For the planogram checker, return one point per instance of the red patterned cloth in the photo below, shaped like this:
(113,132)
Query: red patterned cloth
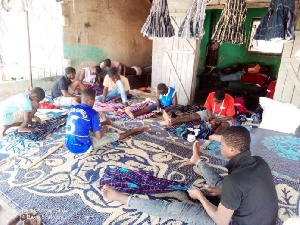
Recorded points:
(48,105)
(271,90)
(255,78)
(241,106)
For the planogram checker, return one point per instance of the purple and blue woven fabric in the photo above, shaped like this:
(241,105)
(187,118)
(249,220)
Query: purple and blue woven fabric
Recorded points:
(135,182)
(42,130)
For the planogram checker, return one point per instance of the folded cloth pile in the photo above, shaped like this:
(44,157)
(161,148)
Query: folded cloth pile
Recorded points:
(48,105)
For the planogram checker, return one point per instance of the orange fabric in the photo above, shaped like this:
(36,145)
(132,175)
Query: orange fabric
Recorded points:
(228,107)
(256,68)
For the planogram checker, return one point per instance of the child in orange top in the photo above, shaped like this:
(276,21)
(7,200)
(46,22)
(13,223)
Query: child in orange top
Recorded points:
(219,112)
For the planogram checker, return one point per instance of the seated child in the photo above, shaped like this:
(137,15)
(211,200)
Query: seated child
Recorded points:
(19,110)
(166,100)
(116,87)
(64,90)
(90,76)
(219,112)
(109,64)
(82,118)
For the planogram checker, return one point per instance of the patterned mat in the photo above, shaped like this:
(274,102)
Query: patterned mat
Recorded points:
(64,188)
(12,146)
(280,150)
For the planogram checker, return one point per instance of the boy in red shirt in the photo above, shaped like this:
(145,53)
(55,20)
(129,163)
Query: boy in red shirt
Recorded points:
(219,112)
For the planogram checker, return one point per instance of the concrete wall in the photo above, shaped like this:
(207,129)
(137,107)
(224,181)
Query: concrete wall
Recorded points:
(106,29)
(10,88)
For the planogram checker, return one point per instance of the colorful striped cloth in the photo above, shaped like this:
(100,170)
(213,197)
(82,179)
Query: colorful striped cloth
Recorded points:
(231,25)
(189,109)
(107,106)
(192,26)
(135,182)
(137,107)
(158,23)
(119,109)
(42,130)
(278,24)
(181,130)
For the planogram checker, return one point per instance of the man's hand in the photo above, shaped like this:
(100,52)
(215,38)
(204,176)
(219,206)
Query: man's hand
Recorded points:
(103,100)
(37,119)
(194,193)
(210,118)
(213,122)
(77,99)
(25,129)
(105,128)
(113,100)
(211,191)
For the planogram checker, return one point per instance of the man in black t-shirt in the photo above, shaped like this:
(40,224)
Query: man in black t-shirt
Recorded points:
(248,194)
(64,91)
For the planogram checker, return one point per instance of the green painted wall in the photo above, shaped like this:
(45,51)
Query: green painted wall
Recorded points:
(81,54)
(230,54)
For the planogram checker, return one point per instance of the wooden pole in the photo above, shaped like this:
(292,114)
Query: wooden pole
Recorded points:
(29,50)
(51,150)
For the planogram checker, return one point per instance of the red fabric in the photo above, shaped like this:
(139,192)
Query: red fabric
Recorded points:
(240,104)
(228,109)
(48,105)
(255,78)
(271,90)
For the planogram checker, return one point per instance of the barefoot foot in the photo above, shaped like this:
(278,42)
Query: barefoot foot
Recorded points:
(166,123)
(2,133)
(113,195)
(144,128)
(129,113)
(105,120)
(165,115)
(196,155)
(3,130)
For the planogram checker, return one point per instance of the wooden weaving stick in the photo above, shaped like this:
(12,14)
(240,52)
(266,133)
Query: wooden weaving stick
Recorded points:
(50,151)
